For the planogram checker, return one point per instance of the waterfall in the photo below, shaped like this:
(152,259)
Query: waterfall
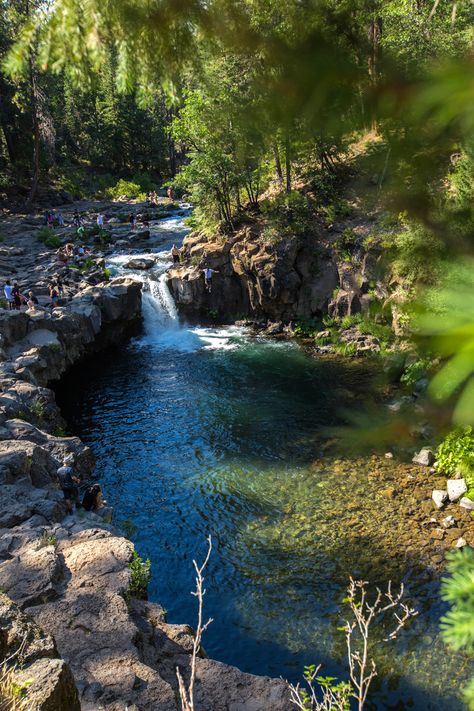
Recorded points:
(159,310)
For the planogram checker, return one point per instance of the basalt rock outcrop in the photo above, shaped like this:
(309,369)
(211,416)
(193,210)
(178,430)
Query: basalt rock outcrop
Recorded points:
(292,279)
(299,277)
(93,646)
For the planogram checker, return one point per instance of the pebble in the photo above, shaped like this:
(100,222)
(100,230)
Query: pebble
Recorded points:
(448,521)
(440,497)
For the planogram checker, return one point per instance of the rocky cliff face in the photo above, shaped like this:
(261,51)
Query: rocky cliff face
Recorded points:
(70,573)
(299,277)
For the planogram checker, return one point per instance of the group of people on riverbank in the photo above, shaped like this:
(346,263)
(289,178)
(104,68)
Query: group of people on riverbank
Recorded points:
(92,499)
(15,298)
(53,219)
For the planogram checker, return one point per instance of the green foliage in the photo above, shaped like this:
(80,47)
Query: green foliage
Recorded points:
(346,244)
(37,408)
(59,432)
(46,540)
(415,371)
(287,214)
(140,572)
(411,247)
(306,328)
(107,274)
(457,626)
(456,450)
(127,189)
(48,237)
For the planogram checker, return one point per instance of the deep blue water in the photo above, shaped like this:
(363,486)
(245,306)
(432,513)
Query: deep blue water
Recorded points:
(202,432)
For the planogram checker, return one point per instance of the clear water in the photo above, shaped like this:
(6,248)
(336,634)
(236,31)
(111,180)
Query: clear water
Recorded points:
(203,431)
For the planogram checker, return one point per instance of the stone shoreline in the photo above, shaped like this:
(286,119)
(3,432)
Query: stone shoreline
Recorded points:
(88,646)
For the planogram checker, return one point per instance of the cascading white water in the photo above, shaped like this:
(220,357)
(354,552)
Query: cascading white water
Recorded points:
(160,316)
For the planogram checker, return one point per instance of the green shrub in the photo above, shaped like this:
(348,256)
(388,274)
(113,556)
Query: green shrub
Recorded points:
(345,349)
(345,244)
(107,274)
(415,371)
(306,328)
(140,573)
(125,188)
(37,408)
(456,451)
(47,236)
(379,330)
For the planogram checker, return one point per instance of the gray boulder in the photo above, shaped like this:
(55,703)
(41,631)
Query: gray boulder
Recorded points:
(456,488)
(424,457)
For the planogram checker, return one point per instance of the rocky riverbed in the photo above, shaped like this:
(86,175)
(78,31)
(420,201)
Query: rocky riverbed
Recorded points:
(84,643)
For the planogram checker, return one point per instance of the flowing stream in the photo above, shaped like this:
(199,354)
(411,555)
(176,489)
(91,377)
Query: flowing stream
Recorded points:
(203,431)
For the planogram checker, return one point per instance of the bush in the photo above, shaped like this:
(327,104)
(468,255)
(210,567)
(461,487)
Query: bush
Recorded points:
(140,573)
(415,371)
(289,214)
(47,236)
(306,328)
(456,451)
(125,188)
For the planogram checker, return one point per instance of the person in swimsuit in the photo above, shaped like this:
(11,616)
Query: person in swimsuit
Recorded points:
(175,254)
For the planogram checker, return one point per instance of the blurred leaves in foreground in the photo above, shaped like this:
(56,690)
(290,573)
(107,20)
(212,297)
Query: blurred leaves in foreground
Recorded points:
(446,320)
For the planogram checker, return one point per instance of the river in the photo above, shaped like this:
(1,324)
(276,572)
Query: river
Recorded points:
(202,431)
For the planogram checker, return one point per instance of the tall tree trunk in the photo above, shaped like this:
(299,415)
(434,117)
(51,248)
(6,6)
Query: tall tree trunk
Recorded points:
(276,157)
(36,135)
(9,142)
(287,163)
(374,35)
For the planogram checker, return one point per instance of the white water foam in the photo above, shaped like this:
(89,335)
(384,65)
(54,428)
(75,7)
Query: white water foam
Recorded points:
(160,317)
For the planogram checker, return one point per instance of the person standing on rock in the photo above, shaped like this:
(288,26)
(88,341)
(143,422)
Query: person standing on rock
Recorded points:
(68,483)
(175,254)
(208,273)
(133,221)
(54,295)
(17,297)
(100,220)
(8,291)
(60,219)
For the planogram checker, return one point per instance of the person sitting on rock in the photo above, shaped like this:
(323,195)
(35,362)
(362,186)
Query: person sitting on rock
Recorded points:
(68,483)
(93,499)
(8,291)
(32,302)
(208,273)
(175,254)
